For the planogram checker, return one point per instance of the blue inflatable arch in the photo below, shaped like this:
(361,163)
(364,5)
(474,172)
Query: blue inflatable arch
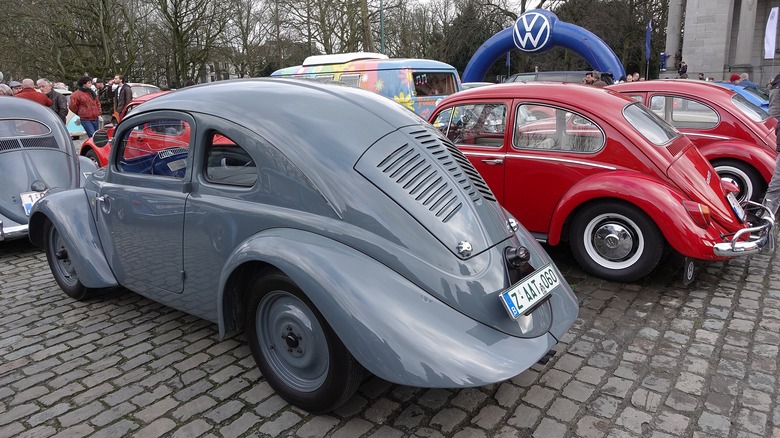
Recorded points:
(537,31)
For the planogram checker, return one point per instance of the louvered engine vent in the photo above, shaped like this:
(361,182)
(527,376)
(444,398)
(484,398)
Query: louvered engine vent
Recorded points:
(457,164)
(40,142)
(7,145)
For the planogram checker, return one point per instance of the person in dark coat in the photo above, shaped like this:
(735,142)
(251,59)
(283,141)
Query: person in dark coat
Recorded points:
(59,104)
(106,98)
(772,196)
(122,96)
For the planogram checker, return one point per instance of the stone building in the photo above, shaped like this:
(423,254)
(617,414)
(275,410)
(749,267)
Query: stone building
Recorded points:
(720,37)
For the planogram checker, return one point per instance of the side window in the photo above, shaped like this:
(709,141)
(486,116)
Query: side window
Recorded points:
(442,122)
(352,80)
(547,128)
(156,147)
(637,98)
(228,163)
(689,113)
(481,124)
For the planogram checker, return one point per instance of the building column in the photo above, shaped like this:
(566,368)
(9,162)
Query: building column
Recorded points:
(673,32)
(745,33)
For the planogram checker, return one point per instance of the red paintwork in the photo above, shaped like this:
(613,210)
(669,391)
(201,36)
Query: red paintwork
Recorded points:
(741,138)
(103,152)
(544,188)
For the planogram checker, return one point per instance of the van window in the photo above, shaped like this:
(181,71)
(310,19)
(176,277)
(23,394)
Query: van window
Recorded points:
(433,84)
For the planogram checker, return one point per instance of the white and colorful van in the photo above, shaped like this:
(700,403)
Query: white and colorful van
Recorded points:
(418,84)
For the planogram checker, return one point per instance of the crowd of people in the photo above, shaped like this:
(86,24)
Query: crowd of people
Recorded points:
(95,101)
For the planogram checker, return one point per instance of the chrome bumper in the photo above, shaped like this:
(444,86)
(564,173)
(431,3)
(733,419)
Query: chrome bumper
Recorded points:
(10,233)
(760,236)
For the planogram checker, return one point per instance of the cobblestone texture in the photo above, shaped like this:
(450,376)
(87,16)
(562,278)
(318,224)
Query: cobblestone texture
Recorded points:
(650,359)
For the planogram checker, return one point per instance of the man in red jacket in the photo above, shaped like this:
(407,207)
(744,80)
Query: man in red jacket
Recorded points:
(28,92)
(85,104)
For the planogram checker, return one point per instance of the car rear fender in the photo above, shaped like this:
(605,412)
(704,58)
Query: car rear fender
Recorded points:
(760,158)
(69,211)
(394,329)
(661,203)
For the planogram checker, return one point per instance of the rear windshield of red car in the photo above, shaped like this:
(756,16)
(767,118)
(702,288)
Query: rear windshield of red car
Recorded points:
(652,127)
(754,112)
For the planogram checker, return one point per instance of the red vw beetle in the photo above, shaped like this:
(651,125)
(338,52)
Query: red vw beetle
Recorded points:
(735,135)
(597,169)
(98,147)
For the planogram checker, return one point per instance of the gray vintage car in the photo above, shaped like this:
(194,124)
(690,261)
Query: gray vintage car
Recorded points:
(338,230)
(36,157)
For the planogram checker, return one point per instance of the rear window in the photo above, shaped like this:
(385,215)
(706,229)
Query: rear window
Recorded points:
(652,127)
(434,83)
(755,113)
(140,90)
(15,128)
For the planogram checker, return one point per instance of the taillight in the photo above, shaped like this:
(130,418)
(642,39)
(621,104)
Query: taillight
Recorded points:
(698,212)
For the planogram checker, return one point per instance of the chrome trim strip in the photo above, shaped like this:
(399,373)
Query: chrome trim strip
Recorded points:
(538,158)
(696,134)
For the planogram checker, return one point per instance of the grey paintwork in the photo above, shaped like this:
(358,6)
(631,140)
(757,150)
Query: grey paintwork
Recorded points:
(45,154)
(335,209)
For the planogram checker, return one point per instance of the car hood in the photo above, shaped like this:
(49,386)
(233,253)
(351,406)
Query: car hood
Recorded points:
(20,168)
(694,175)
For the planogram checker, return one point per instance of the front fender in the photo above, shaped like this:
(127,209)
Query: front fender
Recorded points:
(760,158)
(69,211)
(394,329)
(660,202)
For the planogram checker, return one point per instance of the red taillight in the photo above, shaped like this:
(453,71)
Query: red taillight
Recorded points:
(698,212)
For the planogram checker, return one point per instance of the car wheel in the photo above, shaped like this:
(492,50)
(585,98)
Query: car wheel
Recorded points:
(296,350)
(615,241)
(750,183)
(60,263)
(93,156)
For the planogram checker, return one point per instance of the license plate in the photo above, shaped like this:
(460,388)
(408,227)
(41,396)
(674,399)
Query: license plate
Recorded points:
(29,199)
(522,297)
(738,209)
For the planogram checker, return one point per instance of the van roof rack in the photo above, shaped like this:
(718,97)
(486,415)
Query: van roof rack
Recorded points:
(340,58)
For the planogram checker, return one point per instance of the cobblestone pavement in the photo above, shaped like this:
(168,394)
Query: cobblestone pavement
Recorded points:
(652,359)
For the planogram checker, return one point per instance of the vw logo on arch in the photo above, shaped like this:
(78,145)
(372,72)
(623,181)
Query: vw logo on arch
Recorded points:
(531,32)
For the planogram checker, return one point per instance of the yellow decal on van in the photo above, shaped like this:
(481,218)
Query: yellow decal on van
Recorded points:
(405,100)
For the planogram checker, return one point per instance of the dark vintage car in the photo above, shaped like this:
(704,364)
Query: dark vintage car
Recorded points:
(36,157)
(736,136)
(600,171)
(338,230)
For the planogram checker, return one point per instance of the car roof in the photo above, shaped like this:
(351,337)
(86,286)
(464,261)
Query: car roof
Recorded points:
(673,85)
(149,96)
(701,89)
(573,93)
(278,108)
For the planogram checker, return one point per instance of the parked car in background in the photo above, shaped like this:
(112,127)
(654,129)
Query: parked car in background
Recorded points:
(98,147)
(467,85)
(140,89)
(758,96)
(417,84)
(551,76)
(601,171)
(36,158)
(72,121)
(736,136)
(350,237)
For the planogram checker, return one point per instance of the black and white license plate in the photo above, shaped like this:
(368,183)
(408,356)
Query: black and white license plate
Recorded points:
(521,298)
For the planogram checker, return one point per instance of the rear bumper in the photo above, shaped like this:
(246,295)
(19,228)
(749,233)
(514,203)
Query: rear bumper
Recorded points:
(757,237)
(12,232)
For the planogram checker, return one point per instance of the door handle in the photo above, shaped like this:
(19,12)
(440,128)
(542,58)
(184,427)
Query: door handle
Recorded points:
(493,162)
(100,198)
